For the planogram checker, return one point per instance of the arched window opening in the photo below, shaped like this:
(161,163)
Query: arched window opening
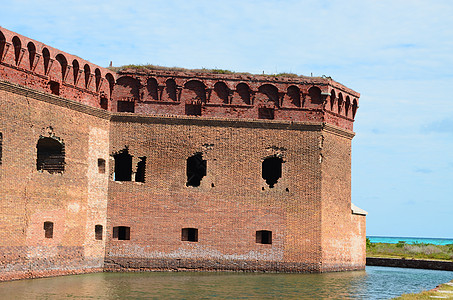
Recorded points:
(123,166)
(332,100)
(340,103)
(196,169)
(98,232)
(170,90)
(126,89)
(2,45)
(151,87)
(293,94)
(195,92)
(17,48)
(75,70)
(354,108)
(264,237)
(243,92)
(97,76)
(48,230)
(267,95)
(221,93)
(111,82)
(50,155)
(63,64)
(272,170)
(189,234)
(31,54)
(315,95)
(87,72)
(347,105)
(46,59)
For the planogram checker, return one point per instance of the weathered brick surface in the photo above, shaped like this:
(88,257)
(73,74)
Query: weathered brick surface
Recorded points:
(239,121)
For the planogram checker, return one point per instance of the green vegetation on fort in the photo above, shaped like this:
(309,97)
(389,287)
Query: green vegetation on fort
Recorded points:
(202,70)
(409,251)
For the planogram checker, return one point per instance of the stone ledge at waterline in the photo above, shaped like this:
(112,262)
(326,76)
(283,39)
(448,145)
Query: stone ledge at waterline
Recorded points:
(410,263)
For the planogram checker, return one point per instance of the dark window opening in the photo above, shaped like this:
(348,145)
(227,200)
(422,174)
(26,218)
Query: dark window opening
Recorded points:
(122,233)
(104,102)
(189,234)
(101,165)
(48,230)
(193,109)
(97,76)
(17,49)
(266,113)
(54,87)
(63,64)
(123,166)
(196,169)
(31,54)
(46,59)
(2,45)
(272,170)
(98,232)
(264,237)
(126,106)
(51,155)
(141,165)
(87,72)
(170,87)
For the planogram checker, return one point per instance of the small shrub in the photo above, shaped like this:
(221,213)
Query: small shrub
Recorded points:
(400,244)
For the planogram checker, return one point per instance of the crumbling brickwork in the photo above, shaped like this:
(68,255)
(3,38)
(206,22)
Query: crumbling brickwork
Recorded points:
(171,170)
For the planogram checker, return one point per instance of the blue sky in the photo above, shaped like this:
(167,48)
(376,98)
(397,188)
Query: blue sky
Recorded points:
(397,54)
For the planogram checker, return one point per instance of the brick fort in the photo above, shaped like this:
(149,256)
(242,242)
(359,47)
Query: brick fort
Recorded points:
(171,169)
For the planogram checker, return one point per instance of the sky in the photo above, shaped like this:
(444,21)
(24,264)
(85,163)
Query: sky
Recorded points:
(397,53)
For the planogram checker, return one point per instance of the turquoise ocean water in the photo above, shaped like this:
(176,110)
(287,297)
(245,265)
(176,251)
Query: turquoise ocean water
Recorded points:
(410,240)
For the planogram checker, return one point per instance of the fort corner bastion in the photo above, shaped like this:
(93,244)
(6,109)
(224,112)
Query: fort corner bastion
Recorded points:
(147,169)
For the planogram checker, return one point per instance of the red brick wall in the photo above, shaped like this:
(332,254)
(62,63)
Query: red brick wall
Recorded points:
(74,201)
(343,234)
(231,204)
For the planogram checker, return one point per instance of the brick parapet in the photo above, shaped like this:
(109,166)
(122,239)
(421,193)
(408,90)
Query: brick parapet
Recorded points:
(38,66)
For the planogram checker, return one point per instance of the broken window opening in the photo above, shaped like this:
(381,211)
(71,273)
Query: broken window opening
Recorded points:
(123,166)
(189,234)
(196,169)
(122,233)
(54,87)
(193,109)
(101,165)
(50,155)
(48,230)
(98,232)
(266,113)
(141,165)
(126,106)
(272,170)
(264,237)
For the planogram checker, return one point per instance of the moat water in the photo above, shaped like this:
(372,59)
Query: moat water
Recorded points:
(374,283)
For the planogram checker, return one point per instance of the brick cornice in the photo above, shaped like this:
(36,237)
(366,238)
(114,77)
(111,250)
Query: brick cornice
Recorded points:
(53,99)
